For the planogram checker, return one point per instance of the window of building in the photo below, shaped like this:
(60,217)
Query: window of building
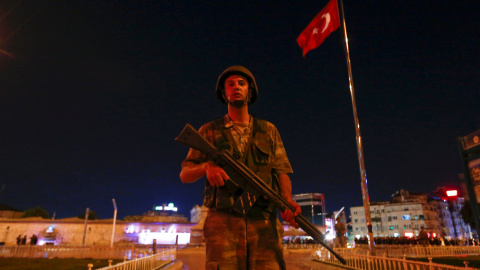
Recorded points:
(376,219)
(406,217)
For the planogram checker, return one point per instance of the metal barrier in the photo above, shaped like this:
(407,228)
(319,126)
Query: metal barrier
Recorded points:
(436,251)
(161,259)
(68,252)
(398,251)
(365,262)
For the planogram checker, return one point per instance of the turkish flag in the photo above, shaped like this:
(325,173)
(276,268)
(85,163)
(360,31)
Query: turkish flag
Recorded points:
(327,21)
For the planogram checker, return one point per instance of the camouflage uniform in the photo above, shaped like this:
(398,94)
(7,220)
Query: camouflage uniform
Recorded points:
(340,241)
(254,241)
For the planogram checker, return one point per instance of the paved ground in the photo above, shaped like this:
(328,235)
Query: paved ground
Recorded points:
(194,259)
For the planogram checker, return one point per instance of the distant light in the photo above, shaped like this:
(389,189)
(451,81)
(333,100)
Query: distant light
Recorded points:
(409,234)
(329,236)
(169,207)
(452,193)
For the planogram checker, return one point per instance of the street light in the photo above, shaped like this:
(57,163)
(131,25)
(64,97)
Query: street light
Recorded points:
(114,219)
(85,229)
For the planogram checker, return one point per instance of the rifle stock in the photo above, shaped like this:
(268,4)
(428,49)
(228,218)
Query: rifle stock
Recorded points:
(248,180)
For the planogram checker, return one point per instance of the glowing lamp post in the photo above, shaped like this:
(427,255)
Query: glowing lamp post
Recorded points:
(85,228)
(114,219)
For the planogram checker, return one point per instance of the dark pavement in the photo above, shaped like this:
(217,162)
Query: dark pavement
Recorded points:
(193,258)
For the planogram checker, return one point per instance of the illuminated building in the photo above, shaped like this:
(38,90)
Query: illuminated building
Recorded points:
(161,224)
(455,203)
(313,206)
(405,215)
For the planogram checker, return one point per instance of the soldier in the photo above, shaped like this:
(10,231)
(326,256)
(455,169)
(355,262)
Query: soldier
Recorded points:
(33,240)
(423,236)
(340,230)
(234,241)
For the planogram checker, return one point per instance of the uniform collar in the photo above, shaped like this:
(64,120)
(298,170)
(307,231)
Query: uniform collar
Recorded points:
(229,123)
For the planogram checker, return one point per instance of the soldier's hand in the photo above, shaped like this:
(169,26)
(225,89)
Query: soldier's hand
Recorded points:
(289,216)
(215,174)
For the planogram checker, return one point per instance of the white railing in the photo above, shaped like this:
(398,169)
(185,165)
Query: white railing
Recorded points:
(398,251)
(163,258)
(433,251)
(77,252)
(365,262)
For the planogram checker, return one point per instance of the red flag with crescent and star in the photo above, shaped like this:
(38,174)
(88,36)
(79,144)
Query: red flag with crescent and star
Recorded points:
(327,21)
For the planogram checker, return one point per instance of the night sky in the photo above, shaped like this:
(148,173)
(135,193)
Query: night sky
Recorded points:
(96,92)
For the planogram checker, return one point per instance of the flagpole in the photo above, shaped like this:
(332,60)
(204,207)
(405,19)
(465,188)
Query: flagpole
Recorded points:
(363,174)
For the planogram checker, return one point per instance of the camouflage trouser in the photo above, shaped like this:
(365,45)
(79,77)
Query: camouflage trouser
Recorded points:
(233,242)
(340,241)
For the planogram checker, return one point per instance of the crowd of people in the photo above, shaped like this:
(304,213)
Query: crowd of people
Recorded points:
(417,241)
(23,240)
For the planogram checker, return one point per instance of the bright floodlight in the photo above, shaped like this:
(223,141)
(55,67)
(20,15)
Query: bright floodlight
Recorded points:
(451,193)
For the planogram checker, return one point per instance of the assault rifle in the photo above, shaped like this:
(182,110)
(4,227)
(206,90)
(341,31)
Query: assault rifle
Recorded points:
(243,179)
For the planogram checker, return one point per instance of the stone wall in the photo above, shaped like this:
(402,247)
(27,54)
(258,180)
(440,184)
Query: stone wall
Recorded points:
(72,231)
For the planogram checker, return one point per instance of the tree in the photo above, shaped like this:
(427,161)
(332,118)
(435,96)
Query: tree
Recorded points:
(467,215)
(36,212)
(92,215)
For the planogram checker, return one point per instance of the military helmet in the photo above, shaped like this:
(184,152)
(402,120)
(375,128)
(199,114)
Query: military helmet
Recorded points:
(236,70)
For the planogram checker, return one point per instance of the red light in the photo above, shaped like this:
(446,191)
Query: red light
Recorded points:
(451,193)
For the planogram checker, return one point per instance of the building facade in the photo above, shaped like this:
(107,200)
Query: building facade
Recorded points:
(406,214)
(313,206)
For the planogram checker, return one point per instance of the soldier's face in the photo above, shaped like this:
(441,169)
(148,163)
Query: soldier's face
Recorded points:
(236,89)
